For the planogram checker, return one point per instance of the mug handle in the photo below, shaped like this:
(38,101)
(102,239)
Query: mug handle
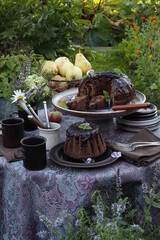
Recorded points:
(16,154)
(13,113)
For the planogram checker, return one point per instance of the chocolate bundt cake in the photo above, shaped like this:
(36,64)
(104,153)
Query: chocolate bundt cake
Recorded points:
(84,140)
(119,87)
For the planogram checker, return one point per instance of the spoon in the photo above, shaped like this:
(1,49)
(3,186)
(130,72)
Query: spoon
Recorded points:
(46,114)
(35,121)
(23,105)
(34,114)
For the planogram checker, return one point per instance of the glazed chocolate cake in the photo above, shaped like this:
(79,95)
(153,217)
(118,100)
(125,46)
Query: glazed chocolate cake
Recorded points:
(119,88)
(79,104)
(82,143)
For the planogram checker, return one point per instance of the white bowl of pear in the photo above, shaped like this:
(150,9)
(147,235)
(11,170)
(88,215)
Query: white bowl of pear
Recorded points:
(62,74)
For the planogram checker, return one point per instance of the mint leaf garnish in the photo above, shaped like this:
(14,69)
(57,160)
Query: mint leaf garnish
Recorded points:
(85,126)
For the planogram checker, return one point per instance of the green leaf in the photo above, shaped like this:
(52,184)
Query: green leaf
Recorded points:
(10,65)
(154,86)
(63,105)
(117,70)
(148,200)
(2,62)
(107,97)
(84,126)
(156,205)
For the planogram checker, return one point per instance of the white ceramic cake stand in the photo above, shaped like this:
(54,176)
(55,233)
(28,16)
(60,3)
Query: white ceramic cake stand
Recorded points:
(60,99)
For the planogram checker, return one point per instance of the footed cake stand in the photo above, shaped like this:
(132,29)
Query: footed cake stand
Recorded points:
(59,102)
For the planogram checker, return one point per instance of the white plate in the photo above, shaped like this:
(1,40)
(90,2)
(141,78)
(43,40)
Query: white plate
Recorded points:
(60,98)
(137,129)
(140,116)
(143,111)
(139,123)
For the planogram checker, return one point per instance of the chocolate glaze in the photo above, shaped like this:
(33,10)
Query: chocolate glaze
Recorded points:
(75,131)
(113,83)
(81,144)
(119,87)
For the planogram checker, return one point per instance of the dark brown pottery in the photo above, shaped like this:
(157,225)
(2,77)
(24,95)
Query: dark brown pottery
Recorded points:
(12,132)
(28,125)
(33,153)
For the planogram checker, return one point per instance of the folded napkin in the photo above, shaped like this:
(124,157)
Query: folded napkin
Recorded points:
(8,153)
(143,155)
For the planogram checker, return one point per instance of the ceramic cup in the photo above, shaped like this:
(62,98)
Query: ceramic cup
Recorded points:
(12,132)
(33,152)
(28,125)
(52,135)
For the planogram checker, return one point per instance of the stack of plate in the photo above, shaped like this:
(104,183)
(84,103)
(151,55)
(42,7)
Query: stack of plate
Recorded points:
(142,118)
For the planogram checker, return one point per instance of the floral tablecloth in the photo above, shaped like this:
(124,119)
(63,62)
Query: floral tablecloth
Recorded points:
(59,188)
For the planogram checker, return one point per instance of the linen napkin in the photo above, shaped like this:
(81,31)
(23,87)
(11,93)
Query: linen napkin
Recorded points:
(8,153)
(143,155)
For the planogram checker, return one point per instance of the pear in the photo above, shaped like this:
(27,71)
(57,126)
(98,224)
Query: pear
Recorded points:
(59,60)
(62,86)
(49,69)
(63,64)
(82,63)
(74,73)
(53,84)
(58,77)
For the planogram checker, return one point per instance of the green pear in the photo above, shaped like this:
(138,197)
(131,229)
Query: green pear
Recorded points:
(62,86)
(49,69)
(58,77)
(63,64)
(53,84)
(74,73)
(82,63)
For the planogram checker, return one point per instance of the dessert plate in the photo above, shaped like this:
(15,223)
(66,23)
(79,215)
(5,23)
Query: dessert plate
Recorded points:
(151,127)
(140,117)
(139,123)
(60,99)
(147,111)
(57,155)
(144,113)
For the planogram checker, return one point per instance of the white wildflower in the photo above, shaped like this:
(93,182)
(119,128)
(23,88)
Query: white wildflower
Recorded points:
(18,94)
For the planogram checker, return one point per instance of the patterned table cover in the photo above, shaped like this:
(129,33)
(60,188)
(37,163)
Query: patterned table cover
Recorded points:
(58,188)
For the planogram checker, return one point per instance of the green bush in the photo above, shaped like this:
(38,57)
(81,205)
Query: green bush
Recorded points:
(146,45)
(46,29)
(138,56)
(10,67)
(117,220)
(50,29)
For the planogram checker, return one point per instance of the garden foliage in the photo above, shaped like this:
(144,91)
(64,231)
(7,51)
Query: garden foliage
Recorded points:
(46,29)
(10,67)
(50,27)
(116,221)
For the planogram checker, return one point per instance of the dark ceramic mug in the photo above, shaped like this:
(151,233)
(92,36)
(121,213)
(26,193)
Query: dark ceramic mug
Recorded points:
(33,152)
(28,125)
(12,132)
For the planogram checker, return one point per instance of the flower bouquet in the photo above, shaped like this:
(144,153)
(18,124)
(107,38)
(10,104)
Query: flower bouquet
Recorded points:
(30,90)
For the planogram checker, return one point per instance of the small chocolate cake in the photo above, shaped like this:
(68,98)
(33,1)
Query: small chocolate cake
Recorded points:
(84,140)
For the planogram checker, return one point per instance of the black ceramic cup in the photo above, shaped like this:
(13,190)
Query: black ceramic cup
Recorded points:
(12,132)
(28,125)
(33,152)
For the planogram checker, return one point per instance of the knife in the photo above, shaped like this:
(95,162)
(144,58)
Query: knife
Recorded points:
(131,106)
